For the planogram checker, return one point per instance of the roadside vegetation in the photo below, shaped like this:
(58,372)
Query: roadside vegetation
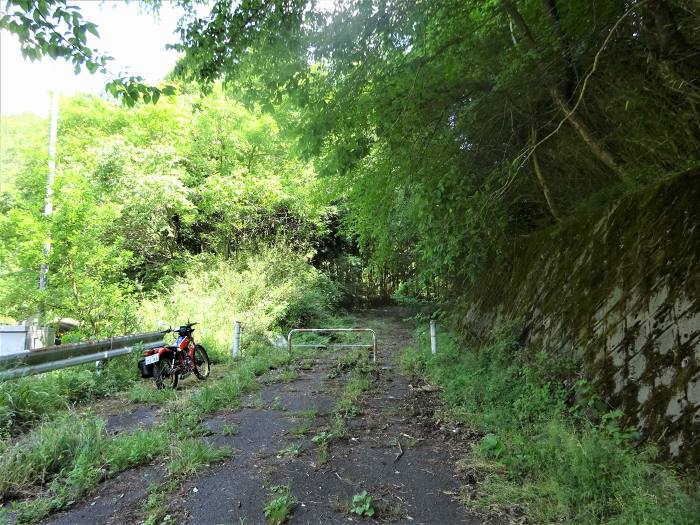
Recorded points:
(316,159)
(358,369)
(154,225)
(64,458)
(279,508)
(549,447)
(268,292)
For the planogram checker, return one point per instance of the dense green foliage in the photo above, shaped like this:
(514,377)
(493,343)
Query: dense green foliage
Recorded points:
(194,209)
(138,195)
(386,145)
(444,130)
(269,292)
(452,127)
(69,454)
(542,449)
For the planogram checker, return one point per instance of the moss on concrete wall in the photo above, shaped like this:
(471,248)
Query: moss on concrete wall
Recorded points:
(622,293)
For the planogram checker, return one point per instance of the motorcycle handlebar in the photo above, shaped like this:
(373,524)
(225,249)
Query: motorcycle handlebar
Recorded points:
(176,330)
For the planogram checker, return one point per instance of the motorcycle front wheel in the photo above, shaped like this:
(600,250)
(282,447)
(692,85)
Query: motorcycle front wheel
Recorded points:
(201,362)
(163,374)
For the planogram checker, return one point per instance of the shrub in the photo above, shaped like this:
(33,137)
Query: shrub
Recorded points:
(539,454)
(27,400)
(268,292)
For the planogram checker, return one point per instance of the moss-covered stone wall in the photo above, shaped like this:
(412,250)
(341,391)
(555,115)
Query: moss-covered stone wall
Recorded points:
(621,292)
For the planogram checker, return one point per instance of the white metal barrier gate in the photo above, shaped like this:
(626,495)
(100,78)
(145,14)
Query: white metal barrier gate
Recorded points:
(373,345)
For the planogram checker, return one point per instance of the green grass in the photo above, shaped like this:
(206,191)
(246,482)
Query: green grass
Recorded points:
(279,508)
(24,402)
(359,368)
(309,413)
(190,455)
(145,392)
(293,451)
(301,429)
(359,381)
(187,457)
(285,375)
(356,386)
(67,456)
(229,429)
(128,450)
(155,506)
(49,450)
(542,455)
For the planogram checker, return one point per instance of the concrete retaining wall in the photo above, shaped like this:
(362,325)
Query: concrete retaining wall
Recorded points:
(622,293)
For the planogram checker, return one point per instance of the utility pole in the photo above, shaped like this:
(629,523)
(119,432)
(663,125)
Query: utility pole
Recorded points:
(48,205)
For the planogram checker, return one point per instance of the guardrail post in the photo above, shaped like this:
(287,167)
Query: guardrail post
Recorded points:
(99,365)
(236,338)
(433,337)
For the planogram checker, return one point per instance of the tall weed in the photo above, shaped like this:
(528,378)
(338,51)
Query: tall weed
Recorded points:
(27,400)
(268,292)
(540,455)
(69,455)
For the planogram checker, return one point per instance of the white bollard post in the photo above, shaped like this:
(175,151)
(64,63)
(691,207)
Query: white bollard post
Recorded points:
(433,338)
(236,338)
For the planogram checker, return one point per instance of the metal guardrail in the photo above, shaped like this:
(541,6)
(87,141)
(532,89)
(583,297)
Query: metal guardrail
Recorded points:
(57,357)
(373,346)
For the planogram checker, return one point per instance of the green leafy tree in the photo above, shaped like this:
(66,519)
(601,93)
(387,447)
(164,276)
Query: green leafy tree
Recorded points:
(55,29)
(138,194)
(452,127)
(446,129)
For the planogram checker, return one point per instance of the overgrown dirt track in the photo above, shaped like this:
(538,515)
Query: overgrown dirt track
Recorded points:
(392,447)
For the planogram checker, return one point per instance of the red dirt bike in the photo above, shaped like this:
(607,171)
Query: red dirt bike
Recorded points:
(168,364)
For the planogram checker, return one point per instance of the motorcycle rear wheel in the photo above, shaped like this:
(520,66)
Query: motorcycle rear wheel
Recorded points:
(162,373)
(201,363)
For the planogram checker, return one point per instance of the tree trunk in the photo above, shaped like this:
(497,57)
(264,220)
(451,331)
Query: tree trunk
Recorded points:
(570,76)
(598,149)
(594,145)
(553,209)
